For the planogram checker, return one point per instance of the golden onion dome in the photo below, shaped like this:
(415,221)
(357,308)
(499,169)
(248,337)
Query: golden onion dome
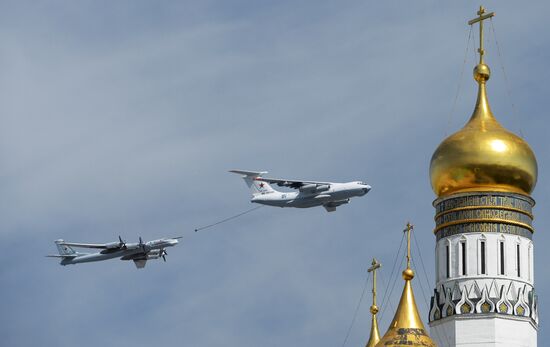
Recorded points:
(483,156)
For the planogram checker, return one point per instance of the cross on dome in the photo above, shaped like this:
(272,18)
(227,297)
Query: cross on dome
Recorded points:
(480,19)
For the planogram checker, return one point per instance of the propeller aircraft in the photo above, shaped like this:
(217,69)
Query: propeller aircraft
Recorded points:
(138,252)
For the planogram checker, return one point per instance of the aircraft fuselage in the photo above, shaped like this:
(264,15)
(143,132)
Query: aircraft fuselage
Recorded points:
(336,192)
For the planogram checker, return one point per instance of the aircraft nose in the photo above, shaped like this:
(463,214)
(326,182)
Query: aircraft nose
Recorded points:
(367,189)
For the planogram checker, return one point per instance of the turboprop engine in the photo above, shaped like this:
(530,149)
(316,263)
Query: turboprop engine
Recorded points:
(112,245)
(314,188)
(155,254)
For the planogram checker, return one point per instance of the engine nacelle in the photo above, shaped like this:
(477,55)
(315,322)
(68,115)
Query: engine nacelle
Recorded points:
(313,188)
(154,254)
(322,187)
(112,245)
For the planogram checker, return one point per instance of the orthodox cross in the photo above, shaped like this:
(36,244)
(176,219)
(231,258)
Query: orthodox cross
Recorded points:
(408,230)
(480,19)
(375,265)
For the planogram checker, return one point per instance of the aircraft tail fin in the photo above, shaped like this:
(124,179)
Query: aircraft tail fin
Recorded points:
(63,249)
(255,185)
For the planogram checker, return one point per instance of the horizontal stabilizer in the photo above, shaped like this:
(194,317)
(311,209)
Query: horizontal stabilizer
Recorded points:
(249,173)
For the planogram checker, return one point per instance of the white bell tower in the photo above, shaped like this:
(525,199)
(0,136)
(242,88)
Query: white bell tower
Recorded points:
(483,175)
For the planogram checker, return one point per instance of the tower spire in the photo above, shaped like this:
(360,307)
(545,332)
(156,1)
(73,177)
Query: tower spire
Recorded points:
(406,328)
(482,73)
(374,332)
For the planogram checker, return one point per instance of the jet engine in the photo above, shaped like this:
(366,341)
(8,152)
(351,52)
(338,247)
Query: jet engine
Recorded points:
(314,188)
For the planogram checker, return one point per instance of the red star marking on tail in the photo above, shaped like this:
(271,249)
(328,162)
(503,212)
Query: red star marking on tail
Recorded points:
(262,185)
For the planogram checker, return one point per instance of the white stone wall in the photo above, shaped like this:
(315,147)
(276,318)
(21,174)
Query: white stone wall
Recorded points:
(473,255)
(475,328)
(484,331)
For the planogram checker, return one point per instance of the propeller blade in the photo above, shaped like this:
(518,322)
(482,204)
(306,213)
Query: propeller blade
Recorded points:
(164,258)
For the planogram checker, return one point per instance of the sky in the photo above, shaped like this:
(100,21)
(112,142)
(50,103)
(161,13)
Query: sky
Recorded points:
(123,118)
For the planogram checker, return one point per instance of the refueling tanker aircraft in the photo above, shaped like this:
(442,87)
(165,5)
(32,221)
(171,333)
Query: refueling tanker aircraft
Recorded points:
(138,252)
(310,193)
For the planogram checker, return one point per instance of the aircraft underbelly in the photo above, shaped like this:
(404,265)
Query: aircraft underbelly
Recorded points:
(311,201)
(306,201)
(277,203)
(341,195)
(97,257)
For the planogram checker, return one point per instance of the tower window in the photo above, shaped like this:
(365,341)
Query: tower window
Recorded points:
(482,256)
(447,261)
(463,254)
(501,245)
(518,260)
(529,259)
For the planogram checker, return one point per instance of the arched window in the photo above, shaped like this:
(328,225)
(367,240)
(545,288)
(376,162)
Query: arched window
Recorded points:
(462,257)
(501,256)
(529,261)
(518,257)
(482,249)
(448,259)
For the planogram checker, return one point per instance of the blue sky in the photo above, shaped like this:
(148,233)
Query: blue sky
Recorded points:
(123,119)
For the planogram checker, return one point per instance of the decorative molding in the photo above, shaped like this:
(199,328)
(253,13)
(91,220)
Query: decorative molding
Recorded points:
(506,298)
(485,305)
(521,308)
(504,306)
(464,305)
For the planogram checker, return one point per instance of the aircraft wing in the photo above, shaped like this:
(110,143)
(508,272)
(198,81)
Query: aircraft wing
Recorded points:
(112,245)
(86,245)
(291,183)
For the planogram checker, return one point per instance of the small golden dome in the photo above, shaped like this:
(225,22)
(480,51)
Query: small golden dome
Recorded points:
(406,328)
(483,156)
